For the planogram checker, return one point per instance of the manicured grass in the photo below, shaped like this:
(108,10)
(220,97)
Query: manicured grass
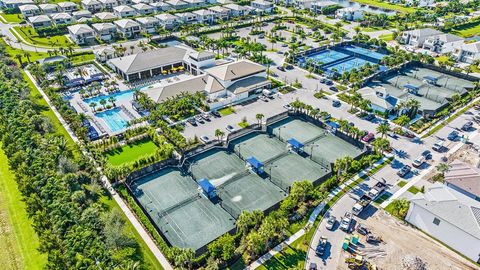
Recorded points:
(82,58)
(144,252)
(389,209)
(31,36)
(226,111)
(413,190)
(12,18)
(291,257)
(34,56)
(383,198)
(130,152)
(386,37)
(401,183)
(467,30)
(18,241)
(387,5)
(243,124)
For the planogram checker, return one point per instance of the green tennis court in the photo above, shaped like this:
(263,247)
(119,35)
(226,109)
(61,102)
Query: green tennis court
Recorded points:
(331,148)
(302,131)
(216,165)
(260,146)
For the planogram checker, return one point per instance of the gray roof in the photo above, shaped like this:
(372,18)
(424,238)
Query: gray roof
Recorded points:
(424,32)
(451,206)
(235,70)
(369,93)
(103,26)
(66,4)
(472,47)
(248,84)
(166,16)
(40,18)
(464,176)
(125,23)
(61,15)
(147,20)
(218,9)
(105,16)
(28,7)
(192,85)
(48,6)
(447,37)
(142,6)
(79,29)
(149,60)
(124,9)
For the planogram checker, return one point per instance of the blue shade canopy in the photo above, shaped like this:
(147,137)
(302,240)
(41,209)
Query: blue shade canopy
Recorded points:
(411,87)
(431,78)
(294,143)
(333,124)
(206,185)
(256,164)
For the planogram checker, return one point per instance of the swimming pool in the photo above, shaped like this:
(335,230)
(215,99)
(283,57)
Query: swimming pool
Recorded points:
(327,56)
(124,96)
(115,119)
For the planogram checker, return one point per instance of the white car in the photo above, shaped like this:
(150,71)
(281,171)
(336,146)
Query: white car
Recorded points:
(230,128)
(204,139)
(330,223)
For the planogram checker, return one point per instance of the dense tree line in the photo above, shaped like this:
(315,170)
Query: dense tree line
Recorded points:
(59,188)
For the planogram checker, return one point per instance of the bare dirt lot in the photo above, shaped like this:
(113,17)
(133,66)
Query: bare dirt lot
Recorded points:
(402,243)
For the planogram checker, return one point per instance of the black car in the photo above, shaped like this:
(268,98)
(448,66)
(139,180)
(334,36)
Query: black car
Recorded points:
(192,121)
(467,126)
(281,68)
(333,88)
(369,117)
(289,67)
(322,244)
(404,171)
(323,80)
(215,113)
(336,103)
(328,82)
(427,154)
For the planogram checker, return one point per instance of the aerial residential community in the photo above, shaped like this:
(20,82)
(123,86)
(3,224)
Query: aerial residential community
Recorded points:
(240,134)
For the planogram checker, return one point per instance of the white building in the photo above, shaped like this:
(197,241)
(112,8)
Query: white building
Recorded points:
(349,14)
(195,3)
(205,16)
(40,21)
(105,16)
(304,4)
(104,31)
(168,21)
(448,216)
(417,37)
(62,18)
(319,6)
(220,12)
(81,33)
(420,3)
(78,15)
(128,28)
(13,4)
(143,9)
(68,7)
(443,43)
(49,8)
(149,24)
(29,10)
(236,10)
(464,178)
(92,5)
(187,17)
(262,6)
(161,6)
(108,5)
(177,4)
(467,53)
(124,11)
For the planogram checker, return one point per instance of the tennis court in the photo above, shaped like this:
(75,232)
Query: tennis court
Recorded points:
(326,56)
(363,51)
(348,65)
(260,146)
(216,165)
(302,131)
(195,224)
(331,148)
(249,193)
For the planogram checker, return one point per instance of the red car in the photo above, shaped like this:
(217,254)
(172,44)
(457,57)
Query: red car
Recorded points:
(369,137)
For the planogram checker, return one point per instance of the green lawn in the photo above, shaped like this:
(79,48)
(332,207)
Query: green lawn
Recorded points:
(12,18)
(226,111)
(291,257)
(18,241)
(413,190)
(130,152)
(386,5)
(31,36)
(401,183)
(386,37)
(467,30)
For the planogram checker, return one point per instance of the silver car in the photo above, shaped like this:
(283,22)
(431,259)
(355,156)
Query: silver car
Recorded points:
(330,223)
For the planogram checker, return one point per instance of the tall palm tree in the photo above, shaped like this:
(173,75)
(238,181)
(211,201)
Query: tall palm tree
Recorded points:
(112,100)
(259,117)
(93,105)
(383,129)
(219,134)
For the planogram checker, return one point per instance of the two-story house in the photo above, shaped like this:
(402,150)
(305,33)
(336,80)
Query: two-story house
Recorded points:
(93,6)
(205,16)
(124,11)
(349,14)
(48,9)
(40,21)
(417,37)
(108,5)
(262,6)
(220,12)
(143,9)
(468,52)
(104,31)
(443,43)
(128,28)
(62,18)
(105,16)
(167,20)
(29,10)
(177,4)
(161,7)
(81,33)
(67,7)
(149,24)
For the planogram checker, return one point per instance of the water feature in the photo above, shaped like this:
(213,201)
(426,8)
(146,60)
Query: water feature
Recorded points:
(367,8)
(115,119)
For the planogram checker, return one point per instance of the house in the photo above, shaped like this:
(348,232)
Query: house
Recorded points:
(143,9)
(81,33)
(449,216)
(303,4)
(468,52)
(161,6)
(81,14)
(168,21)
(177,4)
(62,18)
(220,12)
(49,8)
(262,6)
(14,4)
(105,16)
(205,16)
(124,11)
(195,3)
(187,17)
(443,43)
(124,2)
(380,99)
(420,3)
(463,178)
(108,5)
(349,14)
(149,24)
(104,31)
(67,7)
(93,6)
(29,10)
(40,21)
(128,28)
(417,37)
(104,53)
(319,6)
(236,10)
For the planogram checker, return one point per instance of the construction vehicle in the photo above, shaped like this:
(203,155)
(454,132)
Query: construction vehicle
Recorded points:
(374,239)
(357,262)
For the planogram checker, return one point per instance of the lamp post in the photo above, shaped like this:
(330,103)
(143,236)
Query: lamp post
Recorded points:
(311,149)
(279,132)
(270,171)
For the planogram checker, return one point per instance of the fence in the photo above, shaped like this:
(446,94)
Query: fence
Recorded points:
(276,118)
(150,169)
(242,132)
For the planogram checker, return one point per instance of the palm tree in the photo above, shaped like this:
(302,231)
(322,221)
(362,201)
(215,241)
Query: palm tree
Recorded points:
(112,100)
(403,120)
(400,207)
(93,105)
(343,125)
(103,102)
(413,105)
(383,129)
(19,58)
(259,117)
(219,134)
(381,145)
(442,168)
(27,55)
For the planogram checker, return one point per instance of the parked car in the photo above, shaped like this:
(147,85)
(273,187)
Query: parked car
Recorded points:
(369,117)
(204,139)
(409,135)
(287,106)
(322,244)
(281,68)
(284,45)
(330,223)
(404,171)
(369,137)
(346,222)
(418,161)
(192,121)
(199,119)
(216,113)
(312,266)
(427,154)
(452,136)
(289,67)
(333,88)
(336,103)
(362,229)
(323,80)
(467,126)
(329,82)
(230,128)
(438,146)
(206,116)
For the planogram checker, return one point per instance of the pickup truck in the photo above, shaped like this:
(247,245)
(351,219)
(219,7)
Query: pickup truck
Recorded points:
(371,195)
(376,190)
(346,222)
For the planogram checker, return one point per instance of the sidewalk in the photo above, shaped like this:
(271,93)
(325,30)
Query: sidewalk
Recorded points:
(131,217)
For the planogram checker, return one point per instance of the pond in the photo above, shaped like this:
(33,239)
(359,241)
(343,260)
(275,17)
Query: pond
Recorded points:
(367,8)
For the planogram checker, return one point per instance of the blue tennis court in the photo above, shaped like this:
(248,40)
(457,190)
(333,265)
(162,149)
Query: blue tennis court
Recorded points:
(349,65)
(363,51)
(327,56)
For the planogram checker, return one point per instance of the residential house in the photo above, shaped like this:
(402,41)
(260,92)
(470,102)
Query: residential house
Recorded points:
(105,16)
(187,17)
(220,12)
(149,24)
(67,7)
(468,52)
(205,16)
(128,28)
(167,20)
(104,53)
(81,33)
(443,43)
(223,2)
(161,6)
(124,2)
(319,6)
(14,4)
(142,1)
(62,18)
(29,10)
(303,4)
(108,5)
(420,3)
(40,21)
(380,99)
(262,6)
(463,178)
(236,10)
(143,9)
(417,37)
(349,14)
(177,4)
(124,11)
(93,6)
(105,31)
(78,15)
(449,216)
(48,9)
(195,3)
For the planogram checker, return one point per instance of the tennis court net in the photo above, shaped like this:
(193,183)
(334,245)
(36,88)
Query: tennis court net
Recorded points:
(179,205)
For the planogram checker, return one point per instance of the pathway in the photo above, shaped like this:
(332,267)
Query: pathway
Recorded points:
(128,213)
